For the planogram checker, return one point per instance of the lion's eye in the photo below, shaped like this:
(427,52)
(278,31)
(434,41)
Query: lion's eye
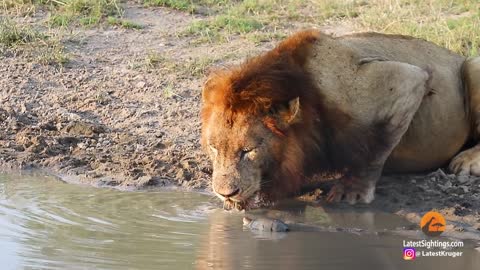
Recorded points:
(244,152)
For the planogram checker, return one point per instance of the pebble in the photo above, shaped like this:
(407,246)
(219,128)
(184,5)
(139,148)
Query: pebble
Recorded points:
(265,224)
(462,179)
(140,85)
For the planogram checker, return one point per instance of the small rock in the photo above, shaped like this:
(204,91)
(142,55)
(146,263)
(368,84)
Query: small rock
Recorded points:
(462,179)
(83,128)
(180,175)
(446,186)
(265,224)
(144,180)
(139,147)
(441,173)
(188,164)
(140,85)
(158,145)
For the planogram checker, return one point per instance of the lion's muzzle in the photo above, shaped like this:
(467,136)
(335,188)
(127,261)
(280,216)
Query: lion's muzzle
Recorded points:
(229,192)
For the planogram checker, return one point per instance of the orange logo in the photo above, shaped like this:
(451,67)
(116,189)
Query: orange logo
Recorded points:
(432,224)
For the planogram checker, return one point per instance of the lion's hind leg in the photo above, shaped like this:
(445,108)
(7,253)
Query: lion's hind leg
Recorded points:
(468,161)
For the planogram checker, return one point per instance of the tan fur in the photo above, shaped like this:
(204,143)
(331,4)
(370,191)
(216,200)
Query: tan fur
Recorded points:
(355,105)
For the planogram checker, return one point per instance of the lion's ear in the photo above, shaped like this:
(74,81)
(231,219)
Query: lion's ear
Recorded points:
(288,114)
(214,88)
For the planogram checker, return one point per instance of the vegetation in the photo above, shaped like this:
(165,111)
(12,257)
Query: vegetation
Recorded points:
(11,34)
(66,12)
(191,6)
(452,24)
(83,12)
(123,23)
(42,48)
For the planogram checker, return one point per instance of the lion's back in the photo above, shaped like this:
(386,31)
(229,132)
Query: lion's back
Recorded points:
(405,49)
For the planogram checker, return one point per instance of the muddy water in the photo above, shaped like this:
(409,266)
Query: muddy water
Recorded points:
(48,224)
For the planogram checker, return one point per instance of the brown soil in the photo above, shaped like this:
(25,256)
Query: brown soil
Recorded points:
(112,118)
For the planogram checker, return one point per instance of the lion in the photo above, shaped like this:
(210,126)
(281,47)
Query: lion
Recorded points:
(352,107)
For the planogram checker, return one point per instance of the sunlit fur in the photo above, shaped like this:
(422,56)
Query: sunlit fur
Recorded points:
(246,104)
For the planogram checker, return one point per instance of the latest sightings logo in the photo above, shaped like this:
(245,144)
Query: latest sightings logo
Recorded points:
(432,224)
(409,254)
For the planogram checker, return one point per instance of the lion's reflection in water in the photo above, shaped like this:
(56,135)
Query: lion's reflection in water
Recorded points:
(227,245)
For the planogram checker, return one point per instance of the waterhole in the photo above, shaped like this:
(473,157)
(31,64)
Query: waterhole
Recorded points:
(48,224)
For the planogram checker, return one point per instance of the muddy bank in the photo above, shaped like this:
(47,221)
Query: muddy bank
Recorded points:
(124,113)
(108,117)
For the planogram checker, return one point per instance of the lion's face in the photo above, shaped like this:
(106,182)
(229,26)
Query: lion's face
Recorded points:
(241,152)
(252,124)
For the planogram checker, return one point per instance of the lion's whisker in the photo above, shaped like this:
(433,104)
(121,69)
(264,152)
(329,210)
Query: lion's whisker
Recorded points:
(265,182)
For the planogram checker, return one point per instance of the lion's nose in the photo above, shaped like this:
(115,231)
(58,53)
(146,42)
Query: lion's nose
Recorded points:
(227,193)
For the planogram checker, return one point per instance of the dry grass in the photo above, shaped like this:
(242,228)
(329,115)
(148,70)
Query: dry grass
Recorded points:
(452,24)
(123,23)
(24,39)
(63,13)
(196,67)
(11,34)
(84,12)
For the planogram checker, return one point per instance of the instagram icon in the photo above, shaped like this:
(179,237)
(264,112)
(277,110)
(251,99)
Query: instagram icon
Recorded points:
(409,254)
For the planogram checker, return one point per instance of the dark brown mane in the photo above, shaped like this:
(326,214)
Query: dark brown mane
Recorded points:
(272,78)
(322,141)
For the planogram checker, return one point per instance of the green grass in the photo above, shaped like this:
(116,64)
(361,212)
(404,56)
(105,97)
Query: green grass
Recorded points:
(84,12)
(11,34)
(154,59)
(185,68)
(63,13)
(123,23)
(216,28)
(185,5)
(239,18)
(198,67)
(23,7)
(453,24)
(51,53)
(192,6)
(39,47)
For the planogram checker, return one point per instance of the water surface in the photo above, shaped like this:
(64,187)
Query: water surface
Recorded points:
(49,224)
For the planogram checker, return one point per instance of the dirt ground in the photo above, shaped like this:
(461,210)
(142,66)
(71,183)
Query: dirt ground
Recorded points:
(124,112)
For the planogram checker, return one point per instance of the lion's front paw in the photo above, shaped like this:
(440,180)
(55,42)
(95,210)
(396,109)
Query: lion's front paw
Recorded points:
(467,162)
(352,195)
